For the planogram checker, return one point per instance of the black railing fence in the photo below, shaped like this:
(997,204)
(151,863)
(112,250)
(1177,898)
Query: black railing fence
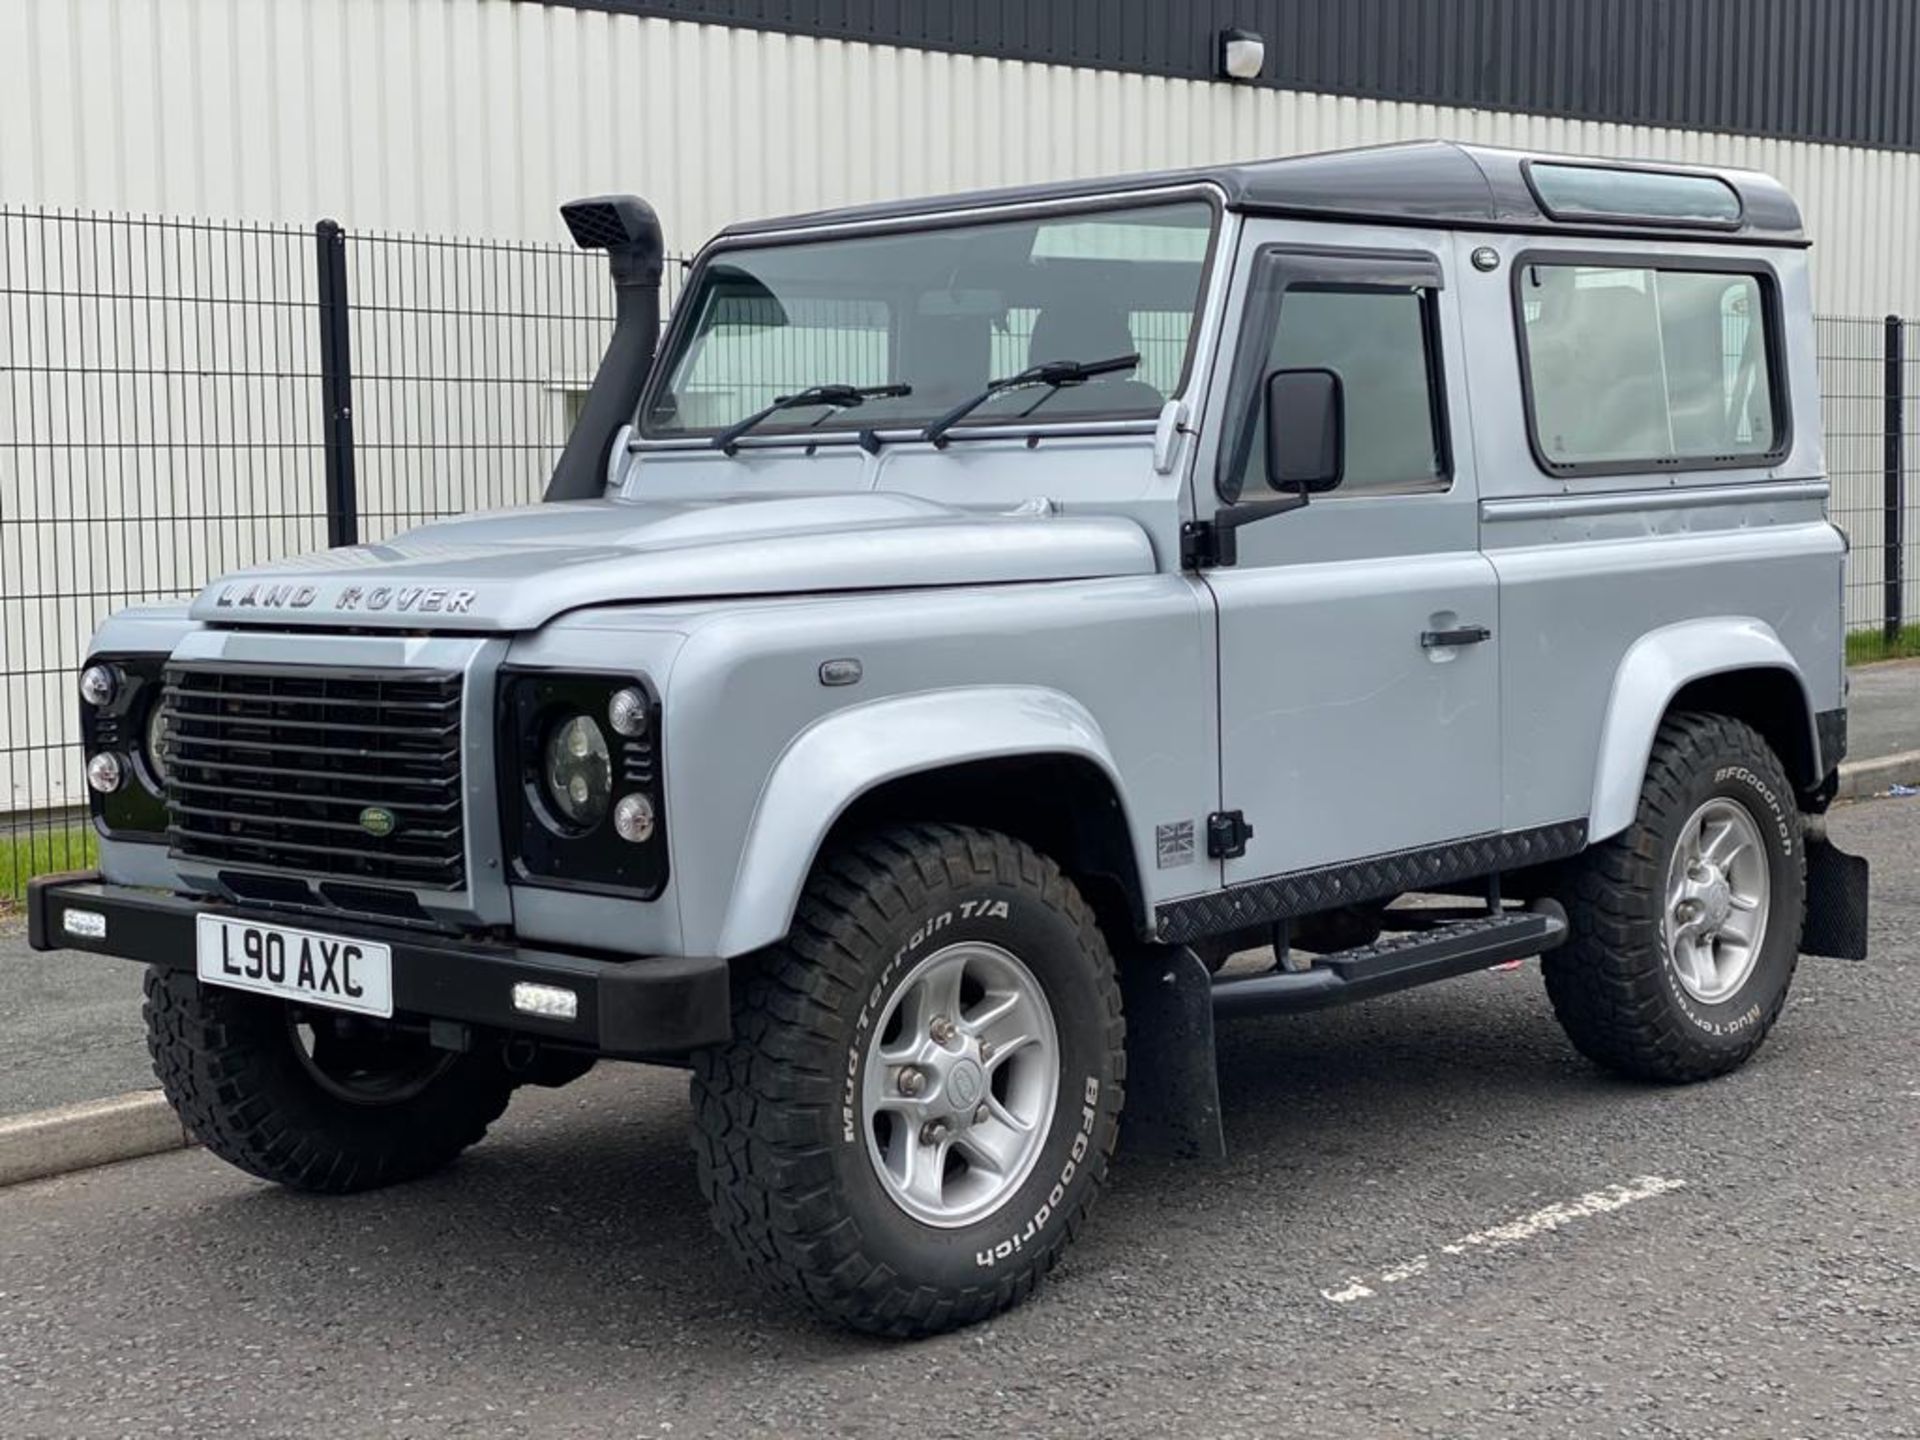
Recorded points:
(1870,401)
(180,398)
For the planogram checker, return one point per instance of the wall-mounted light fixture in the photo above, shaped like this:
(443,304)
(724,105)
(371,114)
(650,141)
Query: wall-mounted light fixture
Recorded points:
(1243,54)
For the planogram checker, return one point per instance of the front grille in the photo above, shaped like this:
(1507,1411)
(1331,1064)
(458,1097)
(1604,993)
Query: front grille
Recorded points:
(286,768)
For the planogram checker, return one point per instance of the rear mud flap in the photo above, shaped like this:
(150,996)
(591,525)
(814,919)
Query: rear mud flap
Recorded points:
(1173,1092)
(1836,923)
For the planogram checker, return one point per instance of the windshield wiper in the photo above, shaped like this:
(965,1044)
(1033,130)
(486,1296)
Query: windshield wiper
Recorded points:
(1054,374)
(835,397)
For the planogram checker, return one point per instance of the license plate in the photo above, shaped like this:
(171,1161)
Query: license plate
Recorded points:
(328,970)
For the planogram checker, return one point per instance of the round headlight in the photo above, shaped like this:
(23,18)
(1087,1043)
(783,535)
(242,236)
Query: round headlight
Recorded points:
(627,713)
(159,745)
(579,772)
(99,684)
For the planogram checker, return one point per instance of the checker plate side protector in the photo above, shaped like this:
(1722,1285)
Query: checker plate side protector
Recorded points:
(1305,891)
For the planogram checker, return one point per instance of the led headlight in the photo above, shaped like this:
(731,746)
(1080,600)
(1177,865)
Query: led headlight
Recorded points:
(126,744)
(579,772)
(583,800)
(159,742)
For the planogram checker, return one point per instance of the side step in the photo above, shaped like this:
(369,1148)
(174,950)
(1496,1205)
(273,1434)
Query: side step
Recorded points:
(1395,962)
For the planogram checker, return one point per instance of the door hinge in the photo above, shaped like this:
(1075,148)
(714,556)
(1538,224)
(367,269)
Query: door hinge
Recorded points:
(1204,546)
(1227,835)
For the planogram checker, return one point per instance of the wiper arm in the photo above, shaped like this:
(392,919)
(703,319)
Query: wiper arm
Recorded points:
(1054,374)
(837,397)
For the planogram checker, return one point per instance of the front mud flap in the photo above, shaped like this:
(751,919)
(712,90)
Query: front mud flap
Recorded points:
(1173,1090)
(1836,921)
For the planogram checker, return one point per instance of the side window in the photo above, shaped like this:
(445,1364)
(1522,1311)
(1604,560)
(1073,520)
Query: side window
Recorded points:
(1378,343)
(1645,367)
(1383,343)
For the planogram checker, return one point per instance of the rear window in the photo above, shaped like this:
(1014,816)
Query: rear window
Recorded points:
(1636,367)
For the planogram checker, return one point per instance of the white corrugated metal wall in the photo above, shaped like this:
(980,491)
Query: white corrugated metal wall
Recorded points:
(475,117)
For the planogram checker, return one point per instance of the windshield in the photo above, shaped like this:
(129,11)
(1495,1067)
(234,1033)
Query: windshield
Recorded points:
(941,312)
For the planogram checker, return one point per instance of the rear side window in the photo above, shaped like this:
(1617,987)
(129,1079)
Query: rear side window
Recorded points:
(1638,367)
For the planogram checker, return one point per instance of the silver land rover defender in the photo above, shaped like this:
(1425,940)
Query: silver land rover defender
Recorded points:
(985,617)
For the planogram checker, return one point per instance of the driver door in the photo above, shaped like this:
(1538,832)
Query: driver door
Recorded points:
(1358,637)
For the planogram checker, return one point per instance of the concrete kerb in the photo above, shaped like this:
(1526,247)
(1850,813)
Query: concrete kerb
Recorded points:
(46,1143)
(1863,779)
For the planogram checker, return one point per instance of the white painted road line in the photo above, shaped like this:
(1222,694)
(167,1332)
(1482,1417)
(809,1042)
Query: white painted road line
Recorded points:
(1504,1236)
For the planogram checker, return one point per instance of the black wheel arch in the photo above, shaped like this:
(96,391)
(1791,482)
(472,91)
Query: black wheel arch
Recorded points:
(1063,805)
(1774,702)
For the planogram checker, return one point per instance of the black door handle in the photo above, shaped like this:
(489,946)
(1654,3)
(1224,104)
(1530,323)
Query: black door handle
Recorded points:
(1464,635)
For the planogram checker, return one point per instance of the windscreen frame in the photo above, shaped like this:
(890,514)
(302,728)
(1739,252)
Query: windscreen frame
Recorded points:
(848,427)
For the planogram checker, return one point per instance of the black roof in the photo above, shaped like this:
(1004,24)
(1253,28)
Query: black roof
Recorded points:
(1429,182)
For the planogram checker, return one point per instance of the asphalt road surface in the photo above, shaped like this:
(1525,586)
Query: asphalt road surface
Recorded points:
(69,1026)
(1435,1220)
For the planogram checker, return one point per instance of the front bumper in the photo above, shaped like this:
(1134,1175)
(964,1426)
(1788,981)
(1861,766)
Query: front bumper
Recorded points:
(631,1009)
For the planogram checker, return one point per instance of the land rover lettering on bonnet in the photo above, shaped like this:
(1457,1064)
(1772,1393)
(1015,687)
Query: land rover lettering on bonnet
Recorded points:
(406,598)
(966,626)
(403,599)
(266,597)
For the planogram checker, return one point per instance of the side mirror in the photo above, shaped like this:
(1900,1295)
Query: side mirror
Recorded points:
(1306,430)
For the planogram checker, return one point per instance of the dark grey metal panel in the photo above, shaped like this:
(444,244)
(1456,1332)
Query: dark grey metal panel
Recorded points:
(1840,70)
(1422,182)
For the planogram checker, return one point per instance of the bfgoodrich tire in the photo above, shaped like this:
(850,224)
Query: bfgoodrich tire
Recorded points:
(314,1102)
(924,1086)
(1685,929)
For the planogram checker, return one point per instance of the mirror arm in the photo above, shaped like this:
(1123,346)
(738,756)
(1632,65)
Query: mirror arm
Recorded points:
(1206,544)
